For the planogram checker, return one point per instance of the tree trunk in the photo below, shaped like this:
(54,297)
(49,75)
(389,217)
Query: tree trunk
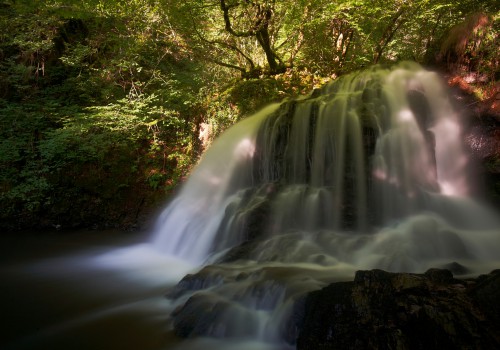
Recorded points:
(265,42)
(389,32)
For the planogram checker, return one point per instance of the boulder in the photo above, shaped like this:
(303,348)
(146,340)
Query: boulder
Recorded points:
(383,310)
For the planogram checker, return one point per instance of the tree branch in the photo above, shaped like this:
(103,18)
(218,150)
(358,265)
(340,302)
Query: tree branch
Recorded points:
(227,21)
(232,47)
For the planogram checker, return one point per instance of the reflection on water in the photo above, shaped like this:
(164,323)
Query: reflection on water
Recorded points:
(67,292)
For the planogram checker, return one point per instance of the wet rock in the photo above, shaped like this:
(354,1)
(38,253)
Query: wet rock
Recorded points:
(245,218)
(456,268)
(487,295)
(205,278)
(481,134)
(227,310)
(240,252)
(382,310)
(439,276)
(197,317)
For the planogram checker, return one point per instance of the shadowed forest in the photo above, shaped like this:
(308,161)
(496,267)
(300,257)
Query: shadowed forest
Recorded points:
(105,106)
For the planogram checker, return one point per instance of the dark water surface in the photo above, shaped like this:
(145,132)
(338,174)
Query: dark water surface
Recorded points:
(84,290)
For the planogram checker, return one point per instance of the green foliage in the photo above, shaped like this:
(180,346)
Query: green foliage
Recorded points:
(241,98)
(95,103)
(101,101)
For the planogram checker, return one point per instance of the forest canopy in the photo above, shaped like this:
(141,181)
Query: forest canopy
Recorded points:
(102,103)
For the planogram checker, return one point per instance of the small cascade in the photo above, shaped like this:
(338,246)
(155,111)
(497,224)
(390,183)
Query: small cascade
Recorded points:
(366,172)
(188,226)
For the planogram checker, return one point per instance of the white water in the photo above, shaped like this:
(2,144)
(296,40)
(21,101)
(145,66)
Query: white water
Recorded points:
(278,182)
(299,164)
(188,225)
(369,172)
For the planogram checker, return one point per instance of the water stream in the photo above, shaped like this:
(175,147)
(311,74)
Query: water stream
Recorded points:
(367,172)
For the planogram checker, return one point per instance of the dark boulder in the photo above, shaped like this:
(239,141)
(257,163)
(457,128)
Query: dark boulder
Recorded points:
(486,294)
(382,310)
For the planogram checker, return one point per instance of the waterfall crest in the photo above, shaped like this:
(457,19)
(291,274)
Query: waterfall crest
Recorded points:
(364,151)
(367,172)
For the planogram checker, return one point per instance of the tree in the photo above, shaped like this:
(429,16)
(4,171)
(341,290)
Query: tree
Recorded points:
(96,105)
(252,37)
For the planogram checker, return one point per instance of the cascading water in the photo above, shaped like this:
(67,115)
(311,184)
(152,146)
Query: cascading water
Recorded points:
(367,172)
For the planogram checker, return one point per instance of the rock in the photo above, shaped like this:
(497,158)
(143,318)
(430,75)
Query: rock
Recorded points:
(487,295)
(382,310)
(456,268)
(205,278)
(439,276)
(481,134)
(197,317)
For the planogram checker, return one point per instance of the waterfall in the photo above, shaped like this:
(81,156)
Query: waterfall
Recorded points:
(367,172)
